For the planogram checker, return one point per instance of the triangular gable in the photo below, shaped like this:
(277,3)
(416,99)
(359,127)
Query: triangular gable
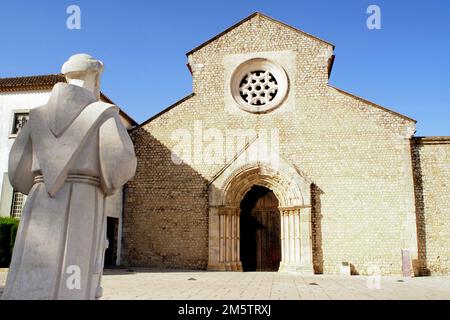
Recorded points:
(256,14)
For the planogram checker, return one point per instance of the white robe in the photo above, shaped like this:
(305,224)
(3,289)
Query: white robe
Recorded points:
(72,153)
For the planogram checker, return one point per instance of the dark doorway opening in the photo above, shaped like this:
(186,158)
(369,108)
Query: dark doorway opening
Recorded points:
(112,231)
(260,233)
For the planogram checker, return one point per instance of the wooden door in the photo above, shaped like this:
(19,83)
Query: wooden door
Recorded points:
(260,232)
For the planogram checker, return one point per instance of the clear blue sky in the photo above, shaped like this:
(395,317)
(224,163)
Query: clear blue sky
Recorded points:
(405,66)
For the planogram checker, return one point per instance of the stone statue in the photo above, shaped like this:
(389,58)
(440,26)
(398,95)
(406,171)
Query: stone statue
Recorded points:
(73,152)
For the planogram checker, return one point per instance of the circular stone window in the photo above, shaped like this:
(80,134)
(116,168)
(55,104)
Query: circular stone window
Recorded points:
(259,85)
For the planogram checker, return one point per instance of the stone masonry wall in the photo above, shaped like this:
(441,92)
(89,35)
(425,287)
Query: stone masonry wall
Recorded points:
(357,155)
(432,184)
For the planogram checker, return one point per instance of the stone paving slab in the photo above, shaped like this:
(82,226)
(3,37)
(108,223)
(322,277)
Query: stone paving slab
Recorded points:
(149,284)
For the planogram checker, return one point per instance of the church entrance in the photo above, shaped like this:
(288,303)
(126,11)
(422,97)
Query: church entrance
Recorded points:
(260,231)
(260,219)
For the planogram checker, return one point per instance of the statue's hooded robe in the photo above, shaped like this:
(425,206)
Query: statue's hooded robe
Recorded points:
(73,152)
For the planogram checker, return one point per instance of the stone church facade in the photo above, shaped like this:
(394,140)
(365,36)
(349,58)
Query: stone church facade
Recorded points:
(265,166)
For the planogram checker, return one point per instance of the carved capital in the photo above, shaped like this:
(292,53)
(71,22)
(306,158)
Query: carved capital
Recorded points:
(285,211)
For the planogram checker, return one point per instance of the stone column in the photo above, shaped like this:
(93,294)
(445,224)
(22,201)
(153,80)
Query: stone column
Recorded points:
(292,231)
(296,240)
(283,240)
(228,247)
(234,215)
(229,240)
(238,240)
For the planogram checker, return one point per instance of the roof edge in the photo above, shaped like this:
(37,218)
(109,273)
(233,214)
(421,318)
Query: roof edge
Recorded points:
(374,104)
(122,113)
(432,140)
(164,111)
(251,17)
(47,82)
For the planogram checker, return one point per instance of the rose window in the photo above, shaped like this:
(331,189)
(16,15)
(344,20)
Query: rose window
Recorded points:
(259,85)
(258,88)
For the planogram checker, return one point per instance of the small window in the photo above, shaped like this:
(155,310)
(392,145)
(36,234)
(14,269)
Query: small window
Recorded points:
(19,121)
(18,202)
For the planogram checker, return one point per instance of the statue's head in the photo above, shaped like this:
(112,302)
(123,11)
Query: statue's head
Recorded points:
(84,71)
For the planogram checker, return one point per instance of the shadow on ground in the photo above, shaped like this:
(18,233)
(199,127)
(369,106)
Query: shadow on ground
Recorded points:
(131,271)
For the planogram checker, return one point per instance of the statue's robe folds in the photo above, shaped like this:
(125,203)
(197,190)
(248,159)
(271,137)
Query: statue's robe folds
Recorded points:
(70,156)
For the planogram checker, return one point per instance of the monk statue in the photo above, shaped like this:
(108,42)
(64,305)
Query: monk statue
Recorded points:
(72,154)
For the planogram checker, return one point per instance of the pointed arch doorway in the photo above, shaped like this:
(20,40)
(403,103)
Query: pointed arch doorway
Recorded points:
(260,230)
(229,188)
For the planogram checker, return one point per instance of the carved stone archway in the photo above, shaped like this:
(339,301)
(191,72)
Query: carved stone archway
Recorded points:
(293,191)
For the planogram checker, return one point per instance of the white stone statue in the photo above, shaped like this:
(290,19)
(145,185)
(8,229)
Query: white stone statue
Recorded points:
(73,152)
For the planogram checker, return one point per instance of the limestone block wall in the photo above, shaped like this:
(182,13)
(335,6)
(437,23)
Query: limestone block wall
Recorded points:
(432,185)
(357,155)
(165,208)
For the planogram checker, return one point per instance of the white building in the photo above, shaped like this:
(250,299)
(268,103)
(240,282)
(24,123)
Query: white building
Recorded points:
(17,97)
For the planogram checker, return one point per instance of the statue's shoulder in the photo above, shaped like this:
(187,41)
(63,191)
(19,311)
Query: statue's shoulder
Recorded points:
(35,112)
(101,107)
(100,111)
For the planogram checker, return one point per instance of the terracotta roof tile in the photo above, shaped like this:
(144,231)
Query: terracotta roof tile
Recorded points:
(43,82)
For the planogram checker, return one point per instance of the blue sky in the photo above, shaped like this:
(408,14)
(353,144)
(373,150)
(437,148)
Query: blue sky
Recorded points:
(404,66)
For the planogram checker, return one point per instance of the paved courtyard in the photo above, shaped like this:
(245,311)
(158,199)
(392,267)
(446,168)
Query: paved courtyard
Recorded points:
(191,285)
